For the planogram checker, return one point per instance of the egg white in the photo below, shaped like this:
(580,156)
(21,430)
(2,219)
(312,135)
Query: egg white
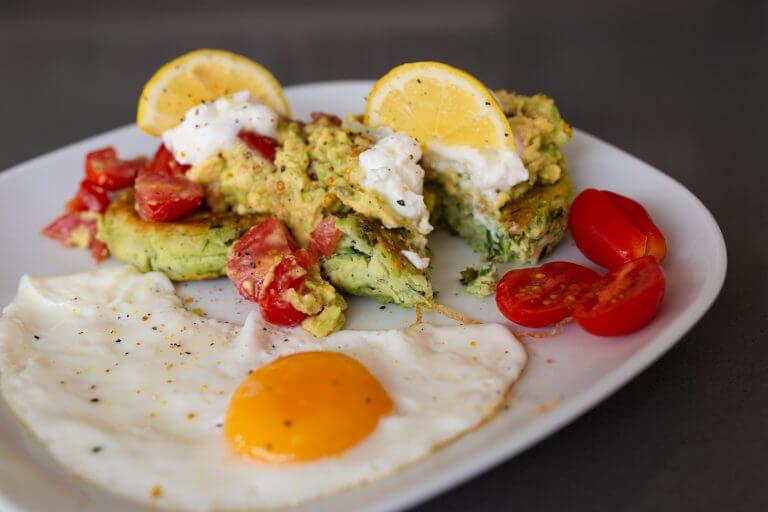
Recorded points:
(128,389)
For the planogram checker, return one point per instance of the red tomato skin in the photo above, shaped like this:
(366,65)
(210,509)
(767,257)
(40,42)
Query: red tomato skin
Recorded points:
(163,162)
(255,253)
(162,198)
(88,197)
(105,169)
(325,237)
(265,146)
(603,232)
(637,214)
(290,273)
(624,300)
(521,293)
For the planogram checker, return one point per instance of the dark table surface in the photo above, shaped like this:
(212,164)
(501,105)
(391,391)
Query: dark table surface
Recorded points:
(681,85)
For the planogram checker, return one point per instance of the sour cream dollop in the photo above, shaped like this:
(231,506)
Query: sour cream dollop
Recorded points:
(392,169)
(487,169)
(417,261)
(211,127)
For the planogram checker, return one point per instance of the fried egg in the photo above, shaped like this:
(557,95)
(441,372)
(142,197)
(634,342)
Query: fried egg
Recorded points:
(129,390)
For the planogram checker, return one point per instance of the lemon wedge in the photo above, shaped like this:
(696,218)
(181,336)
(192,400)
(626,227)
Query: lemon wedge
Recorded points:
(203,75)
(435,102)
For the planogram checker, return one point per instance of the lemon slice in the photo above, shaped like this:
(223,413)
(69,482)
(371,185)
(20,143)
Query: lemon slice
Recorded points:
(435,102)
(203,75)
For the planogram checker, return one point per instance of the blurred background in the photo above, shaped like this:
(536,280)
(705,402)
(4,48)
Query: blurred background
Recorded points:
(680,84)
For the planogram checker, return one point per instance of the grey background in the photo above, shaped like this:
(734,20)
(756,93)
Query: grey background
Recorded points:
(681,85)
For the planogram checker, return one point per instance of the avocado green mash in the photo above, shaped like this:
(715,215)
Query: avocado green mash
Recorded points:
(187,249)
(316,173)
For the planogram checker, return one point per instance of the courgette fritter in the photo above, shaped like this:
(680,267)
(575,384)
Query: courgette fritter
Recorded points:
(192,248)
(369,261)
(527,228)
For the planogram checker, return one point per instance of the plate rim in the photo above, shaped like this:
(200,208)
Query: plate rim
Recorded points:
(561,416)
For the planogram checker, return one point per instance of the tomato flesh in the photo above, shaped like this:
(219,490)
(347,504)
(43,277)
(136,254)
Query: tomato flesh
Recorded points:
(624,300)
(611,229)
(291,273)
(163,162)
(255,253)
(325,237)
(541,296)
(265,146)
(104,169)
(88,197)
(163,197)
(332,119)
(269,247)
(63,227)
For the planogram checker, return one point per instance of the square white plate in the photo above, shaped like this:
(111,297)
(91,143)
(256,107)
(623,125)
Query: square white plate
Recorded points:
(566,376)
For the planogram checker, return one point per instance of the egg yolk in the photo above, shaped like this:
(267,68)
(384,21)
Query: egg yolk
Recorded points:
(304,406)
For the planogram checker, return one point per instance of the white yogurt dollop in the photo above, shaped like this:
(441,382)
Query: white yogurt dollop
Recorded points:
(488,170)
(211,127)
(417,261)
(392,169)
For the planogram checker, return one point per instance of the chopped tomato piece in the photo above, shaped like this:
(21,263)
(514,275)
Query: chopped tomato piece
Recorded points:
(88,197)
(62,227)
(75,205)
(104,169)
(265,146)
(99,250)
(256,253)
(291,273)
(332,119)
(611,229)
(541,296)
(325,237)
(165,163)
(624,300)
(164,197)
(65,229)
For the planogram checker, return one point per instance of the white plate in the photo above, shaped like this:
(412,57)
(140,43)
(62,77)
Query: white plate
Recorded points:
(567,375)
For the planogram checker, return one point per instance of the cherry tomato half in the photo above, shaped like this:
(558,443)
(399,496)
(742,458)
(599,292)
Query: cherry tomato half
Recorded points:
(265,146)
(325,237)
(104,169)
(163,197)
(255,253)
(541,296)
(290,273)
(611,229)
(624,300)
